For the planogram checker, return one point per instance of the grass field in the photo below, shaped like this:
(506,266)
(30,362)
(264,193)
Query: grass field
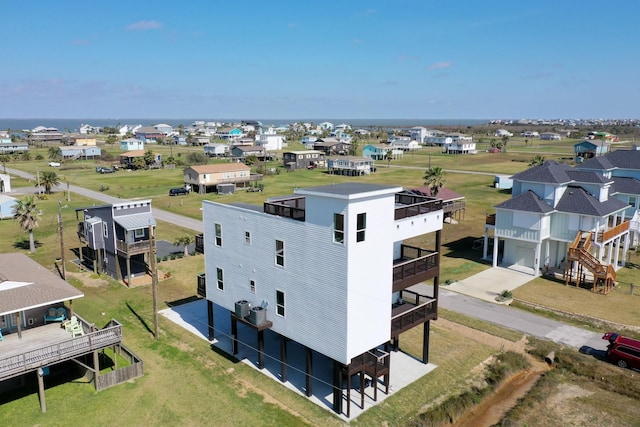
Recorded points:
(187,383)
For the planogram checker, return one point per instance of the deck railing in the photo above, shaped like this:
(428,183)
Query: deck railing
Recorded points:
(202,285)
(415,265)
(415,310)
(200,243)
(289,208)
(133,248)
(64,350)
(414,205)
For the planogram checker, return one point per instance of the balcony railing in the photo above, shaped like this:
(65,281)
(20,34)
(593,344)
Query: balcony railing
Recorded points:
(133,248)
(613,232)
(17,364)
(202,285)
(289,208)
(200,243)
(412,205)
(414,310)
(415,265)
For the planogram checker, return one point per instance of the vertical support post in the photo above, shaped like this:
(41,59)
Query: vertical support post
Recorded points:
(210,320)
(96,368)
(261,349)
(426,326)
(309,373)
(61,236)
(43,403)
(283,358)
(337,387)
(234,333)
(154,277)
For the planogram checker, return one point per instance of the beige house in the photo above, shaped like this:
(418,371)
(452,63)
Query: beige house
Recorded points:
(81,139)
(206,177)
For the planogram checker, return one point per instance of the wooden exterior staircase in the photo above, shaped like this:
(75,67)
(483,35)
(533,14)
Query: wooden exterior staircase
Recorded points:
(604,275)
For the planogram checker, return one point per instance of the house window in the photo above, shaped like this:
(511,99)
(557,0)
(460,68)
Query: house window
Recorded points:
(220,278)
(105,230)
(218,234)
(361,226)
(252,286)
(280,253)
(280,303)
(138,233)
(338,228)
(633,202)
(247,237)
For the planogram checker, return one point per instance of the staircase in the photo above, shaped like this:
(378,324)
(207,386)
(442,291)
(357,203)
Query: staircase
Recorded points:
(604,275)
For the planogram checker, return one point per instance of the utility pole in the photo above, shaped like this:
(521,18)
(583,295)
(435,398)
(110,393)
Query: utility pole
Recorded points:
(64,271)
(154,278)
(38,179)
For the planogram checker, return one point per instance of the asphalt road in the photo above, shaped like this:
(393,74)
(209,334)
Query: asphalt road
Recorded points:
(527,323)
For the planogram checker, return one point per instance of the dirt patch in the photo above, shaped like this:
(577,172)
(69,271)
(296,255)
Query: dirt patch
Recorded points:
(88,280)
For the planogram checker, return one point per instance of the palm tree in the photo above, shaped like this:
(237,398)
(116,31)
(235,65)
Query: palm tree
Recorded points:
(49,180)
(54,153)
(434,178)
(388,156)
(184,241)
(505,141)
(27,213)
(537,160)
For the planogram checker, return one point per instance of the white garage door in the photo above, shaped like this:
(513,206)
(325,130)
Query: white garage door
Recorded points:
(524,256)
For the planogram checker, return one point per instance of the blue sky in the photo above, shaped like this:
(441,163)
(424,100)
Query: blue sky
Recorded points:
(309,59)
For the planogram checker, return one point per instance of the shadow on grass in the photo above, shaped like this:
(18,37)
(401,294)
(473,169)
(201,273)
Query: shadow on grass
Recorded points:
(24,244)
(181,301)
(464,248)
(142,321)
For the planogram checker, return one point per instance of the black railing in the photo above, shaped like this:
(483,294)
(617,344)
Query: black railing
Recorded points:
(202,285)
(413,205)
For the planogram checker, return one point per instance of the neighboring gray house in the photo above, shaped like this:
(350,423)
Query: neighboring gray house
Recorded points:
(244,151)
(115,239)
(303,159)
(85,152)
(216,150)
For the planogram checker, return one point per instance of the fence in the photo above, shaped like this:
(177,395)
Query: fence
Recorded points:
(134,370)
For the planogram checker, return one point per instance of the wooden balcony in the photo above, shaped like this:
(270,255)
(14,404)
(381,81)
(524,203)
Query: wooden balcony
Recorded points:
(51,344)
(202,285)
(133,248)
(613,232)
(415,265)
(200,243)
(414,310)
(289,208)
(408,205)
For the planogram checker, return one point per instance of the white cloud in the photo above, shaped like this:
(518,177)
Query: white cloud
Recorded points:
(440,65)
(145,25)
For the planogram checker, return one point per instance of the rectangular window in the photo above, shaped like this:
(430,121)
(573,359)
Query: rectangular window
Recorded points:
(280,253)
(218,235)
(138,233)
(361,227)
(105,229)
(247,237)
(632,202)
(252,286)
(280,303)
(338,228)
(220,278)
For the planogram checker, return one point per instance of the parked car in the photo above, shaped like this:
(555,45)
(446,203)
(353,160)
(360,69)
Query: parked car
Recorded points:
(178,191)
(54,164)
(102,169)
(625,352)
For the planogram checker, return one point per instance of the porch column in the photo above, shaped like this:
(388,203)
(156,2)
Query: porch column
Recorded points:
(43,403)
(536,264)
(485,246)
(426,326)
(210,320)
(128,271)
(96,368)
(261,349)
(616,244)
(496,241)
(609,251)
(625,249)
(309,373)
(283,362)
(337,387)
(234,333)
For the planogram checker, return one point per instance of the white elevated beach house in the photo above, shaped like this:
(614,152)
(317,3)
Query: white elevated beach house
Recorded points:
(574,219)
(327,268)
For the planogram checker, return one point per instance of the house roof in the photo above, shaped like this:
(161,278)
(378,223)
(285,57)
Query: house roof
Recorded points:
(528,202)
(135,221)
(349,189)
(220,167)
(577,200)
(625,186)
(597,163)
(550,172)
(444,193)
(147,129)
(625,159)
(4,199)
(248,148)
(26,284)
(352,158)
(587,177)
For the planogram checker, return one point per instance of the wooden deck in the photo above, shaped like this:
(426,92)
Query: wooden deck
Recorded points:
(32,339)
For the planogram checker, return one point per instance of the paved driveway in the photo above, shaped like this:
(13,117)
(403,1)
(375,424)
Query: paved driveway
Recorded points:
(489,283)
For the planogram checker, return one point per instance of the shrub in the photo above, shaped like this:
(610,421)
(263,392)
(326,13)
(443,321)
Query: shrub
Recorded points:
(103,188)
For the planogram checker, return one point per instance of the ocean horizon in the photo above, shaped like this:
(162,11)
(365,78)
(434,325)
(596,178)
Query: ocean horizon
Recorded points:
(72,125)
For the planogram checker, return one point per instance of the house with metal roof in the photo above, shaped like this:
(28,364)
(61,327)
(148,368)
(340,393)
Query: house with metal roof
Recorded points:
(562,217)
(116,239)
(205,178)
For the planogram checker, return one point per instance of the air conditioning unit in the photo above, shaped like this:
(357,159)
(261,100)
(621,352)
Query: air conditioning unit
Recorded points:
(258,315)
(242,308)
